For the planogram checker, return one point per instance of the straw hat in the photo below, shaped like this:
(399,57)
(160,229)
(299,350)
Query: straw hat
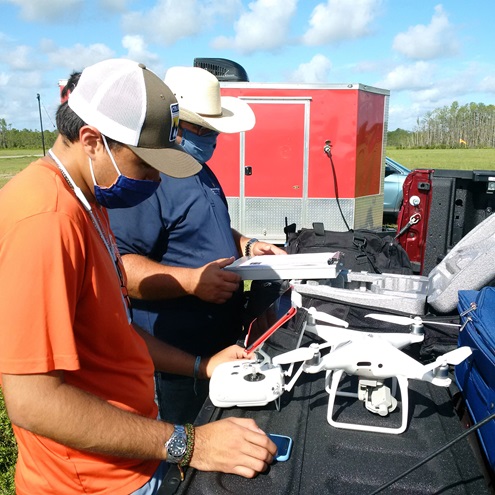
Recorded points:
(198,94)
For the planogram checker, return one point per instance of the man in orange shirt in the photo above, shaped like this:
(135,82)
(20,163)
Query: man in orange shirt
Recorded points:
(76,375)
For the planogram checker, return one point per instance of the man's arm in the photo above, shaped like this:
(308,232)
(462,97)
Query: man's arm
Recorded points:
(148,279)
(44,404)
(169,359)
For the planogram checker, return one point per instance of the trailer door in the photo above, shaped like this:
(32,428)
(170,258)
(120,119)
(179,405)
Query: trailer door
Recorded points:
(273,173)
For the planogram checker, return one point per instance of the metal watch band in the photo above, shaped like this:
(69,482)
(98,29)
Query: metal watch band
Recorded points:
(176,445)
(247,248)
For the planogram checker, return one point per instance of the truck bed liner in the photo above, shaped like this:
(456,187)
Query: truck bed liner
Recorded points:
(327,460)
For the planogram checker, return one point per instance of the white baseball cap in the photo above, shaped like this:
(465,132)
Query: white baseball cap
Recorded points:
(198,94)
(130,104)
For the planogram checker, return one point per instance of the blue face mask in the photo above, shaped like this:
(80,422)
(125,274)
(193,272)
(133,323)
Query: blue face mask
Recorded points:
(124,192)
(200,148)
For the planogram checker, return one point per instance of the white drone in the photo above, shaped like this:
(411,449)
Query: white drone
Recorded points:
(373,358)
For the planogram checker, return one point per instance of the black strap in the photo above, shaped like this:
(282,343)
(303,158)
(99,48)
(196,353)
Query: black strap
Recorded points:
(361,242)
(319,228)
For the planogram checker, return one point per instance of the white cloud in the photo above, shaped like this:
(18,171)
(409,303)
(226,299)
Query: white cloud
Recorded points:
(47,10)
(406,116)
(314,71)
(368,66)
(264,27)
(459,86)
(4,79)
(19,106)
(437,39)
(137,50)
(47,45)
(405,112)
(20,57)
(4,38)
(487,84)
(429,95)
(169,21)
(78,56)
(408,77)
(338,20)
(114,5)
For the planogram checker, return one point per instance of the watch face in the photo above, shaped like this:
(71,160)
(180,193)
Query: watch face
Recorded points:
(177,446)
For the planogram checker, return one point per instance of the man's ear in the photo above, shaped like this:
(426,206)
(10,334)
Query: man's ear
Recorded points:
(90,139)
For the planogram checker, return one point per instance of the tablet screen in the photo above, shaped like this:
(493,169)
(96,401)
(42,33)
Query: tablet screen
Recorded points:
(273,317)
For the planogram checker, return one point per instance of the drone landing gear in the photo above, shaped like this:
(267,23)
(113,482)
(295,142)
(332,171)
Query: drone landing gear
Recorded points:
(377,399)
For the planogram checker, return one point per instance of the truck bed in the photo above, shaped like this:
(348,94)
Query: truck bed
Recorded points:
(328,460)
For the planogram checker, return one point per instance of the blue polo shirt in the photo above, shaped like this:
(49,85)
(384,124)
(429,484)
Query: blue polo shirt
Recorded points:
(186,223)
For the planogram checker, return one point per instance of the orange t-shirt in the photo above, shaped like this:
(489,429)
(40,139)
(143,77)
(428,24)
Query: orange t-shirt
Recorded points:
(61,308)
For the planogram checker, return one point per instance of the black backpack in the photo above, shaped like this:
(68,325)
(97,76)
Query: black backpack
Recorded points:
(363,250)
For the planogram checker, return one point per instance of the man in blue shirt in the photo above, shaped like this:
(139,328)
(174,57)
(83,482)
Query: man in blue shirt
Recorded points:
(175,245)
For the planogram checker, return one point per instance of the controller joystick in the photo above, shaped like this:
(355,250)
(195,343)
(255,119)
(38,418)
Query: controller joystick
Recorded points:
(255,376)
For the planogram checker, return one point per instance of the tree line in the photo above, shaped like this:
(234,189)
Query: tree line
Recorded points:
(455,126)
(25,139)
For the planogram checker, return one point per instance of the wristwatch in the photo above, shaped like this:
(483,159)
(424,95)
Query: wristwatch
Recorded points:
(176,445)
(247,247)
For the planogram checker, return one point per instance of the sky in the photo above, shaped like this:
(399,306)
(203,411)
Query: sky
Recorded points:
(426,53)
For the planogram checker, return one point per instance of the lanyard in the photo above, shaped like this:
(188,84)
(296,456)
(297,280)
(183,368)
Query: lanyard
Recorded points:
(109,243)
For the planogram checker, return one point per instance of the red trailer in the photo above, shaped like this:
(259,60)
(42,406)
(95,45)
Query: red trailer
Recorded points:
(279,170)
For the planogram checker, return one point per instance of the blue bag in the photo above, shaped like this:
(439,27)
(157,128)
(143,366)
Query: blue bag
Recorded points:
(476,375)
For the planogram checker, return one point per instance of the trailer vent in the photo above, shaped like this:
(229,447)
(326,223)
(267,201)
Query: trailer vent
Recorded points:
(223,69)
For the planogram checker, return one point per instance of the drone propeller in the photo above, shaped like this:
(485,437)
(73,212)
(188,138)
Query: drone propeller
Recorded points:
(294,356)
(326,318)
(405,320)
(454,357)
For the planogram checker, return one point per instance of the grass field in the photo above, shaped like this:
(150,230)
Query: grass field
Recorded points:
(13,161)
(457,159)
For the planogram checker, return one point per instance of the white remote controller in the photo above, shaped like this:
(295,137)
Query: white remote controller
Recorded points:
(246,383)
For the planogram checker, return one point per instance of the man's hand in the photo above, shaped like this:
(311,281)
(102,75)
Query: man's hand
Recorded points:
(260,248)
(213,284)
(234,446)
(231,353)
(148,279)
